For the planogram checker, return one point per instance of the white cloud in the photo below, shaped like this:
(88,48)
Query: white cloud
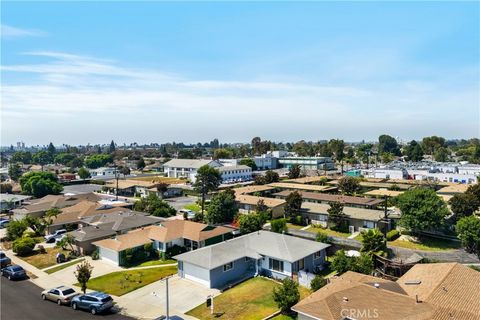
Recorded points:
(77,99)
(7,31)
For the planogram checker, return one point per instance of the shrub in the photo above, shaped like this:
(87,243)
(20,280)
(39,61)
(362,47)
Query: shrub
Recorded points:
(317,282)
(16,228)
(299,220)
(279,225)
(23,246)
(287,295)
(323,237)
(393,235)
(41,249)
(95,255)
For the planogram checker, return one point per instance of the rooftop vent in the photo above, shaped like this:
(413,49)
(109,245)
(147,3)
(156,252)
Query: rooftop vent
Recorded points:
(345,299)
(413,282)
(377,285)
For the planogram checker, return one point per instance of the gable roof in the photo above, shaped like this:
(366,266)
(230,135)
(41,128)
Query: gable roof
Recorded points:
(353,291)
(452,287)
(253,245)
(166,232)
(333,198)
(93,232)
(56,201)
(83,210)
(189,163)
(123,220)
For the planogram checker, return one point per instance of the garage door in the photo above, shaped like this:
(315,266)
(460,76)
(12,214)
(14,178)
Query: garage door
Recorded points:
(196,274)
(108,255)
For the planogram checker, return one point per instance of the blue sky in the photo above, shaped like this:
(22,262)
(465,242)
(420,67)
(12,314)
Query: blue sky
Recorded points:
(154,72)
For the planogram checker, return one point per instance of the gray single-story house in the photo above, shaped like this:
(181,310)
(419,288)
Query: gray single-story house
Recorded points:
(259,253)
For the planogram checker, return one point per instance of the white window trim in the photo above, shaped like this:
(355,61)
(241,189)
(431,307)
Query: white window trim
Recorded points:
(315,255)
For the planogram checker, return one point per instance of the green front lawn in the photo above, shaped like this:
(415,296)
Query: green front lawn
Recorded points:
(284,317)
(194,207)
(294,226)
(250,300)
(427,244)
(121,282)
(329,232)
(63,266)
(44,260)
(156,263)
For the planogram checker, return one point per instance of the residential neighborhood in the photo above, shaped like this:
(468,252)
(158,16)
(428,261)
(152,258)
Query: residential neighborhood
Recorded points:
(240,160)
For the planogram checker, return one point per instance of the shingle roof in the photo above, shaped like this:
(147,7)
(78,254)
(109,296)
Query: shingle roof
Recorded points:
(123,220)
(353,291)
(352,212)
(187,163)
(57,201)
(254,245)
(134,238)
(334,198)
(253,200)
(83,210)
(299,186)
(93,232)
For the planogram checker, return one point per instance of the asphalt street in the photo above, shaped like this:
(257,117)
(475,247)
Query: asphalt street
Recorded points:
(20,300)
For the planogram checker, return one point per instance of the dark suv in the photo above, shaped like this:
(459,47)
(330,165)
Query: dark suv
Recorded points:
(95,302)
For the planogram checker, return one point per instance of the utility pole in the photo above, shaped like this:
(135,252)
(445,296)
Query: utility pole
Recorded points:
(116,189)
(166,289)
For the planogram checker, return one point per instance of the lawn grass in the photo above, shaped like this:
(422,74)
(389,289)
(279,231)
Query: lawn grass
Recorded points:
(44,260)
(121,282)
(329,232)
(159,179)
(63,266)
(295,226)
(426,244)
(194,207)
(249,300)
(285,317)
(156,263)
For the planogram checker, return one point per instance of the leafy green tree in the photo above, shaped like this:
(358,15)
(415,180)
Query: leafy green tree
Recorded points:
(24,157)
(431,144)
(75,163)
(222,208)
(250,223)
(141,164)
(363,264)
(222,154)
(271,176)
(318,282)
(35,224)
(64,158)
(186,154)
(341,263)
(422,209)
(40,184)
(67,240)
(124,170)
(16,228)
(83,274)
(23,246)
(83,173)
(464,205)
(388,144)
(50,216)
(208,179)
(294,172)
(442,154)
(6,188)
(287,295)
(98,160)
(468,230)
(261,206)
(249,162)
(42,158)
(414,151)
(338,147)
(14,171)
(387,157)
(279,225)
(348,185)
(293,204)
(155,206)
(373,242)
(475,190)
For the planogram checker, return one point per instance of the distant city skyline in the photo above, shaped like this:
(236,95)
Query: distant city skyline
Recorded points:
(152,72)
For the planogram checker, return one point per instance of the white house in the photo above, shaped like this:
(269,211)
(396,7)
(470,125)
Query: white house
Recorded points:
(187,168)
(103,172)
(236,173)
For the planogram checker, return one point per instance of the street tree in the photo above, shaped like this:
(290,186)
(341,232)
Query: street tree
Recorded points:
(414,151)
(83,173)
(14,171)
(40,184)
(250,222)
(141,164)
(337,220)
(464,205)
(271,176)
(83,274)
(208,179)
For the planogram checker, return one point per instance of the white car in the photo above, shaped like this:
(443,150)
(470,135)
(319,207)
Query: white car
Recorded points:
(190,214)
(57,234)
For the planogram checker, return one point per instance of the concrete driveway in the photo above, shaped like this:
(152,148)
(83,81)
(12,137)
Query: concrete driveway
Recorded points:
(100,267)
(180,202)
(149,302)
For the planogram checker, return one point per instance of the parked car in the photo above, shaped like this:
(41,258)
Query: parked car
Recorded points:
(57,234)
(95,302)
(61,295)
(14,272)
(4,223)
(4,260)
(190,214)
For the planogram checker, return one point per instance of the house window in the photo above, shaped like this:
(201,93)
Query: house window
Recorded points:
(317,255)
(247,259)
(276,265)
(228,266)
(368,224)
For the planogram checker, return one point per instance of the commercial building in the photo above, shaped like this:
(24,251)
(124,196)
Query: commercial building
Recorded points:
(308,163)
(235,173)
(187,168)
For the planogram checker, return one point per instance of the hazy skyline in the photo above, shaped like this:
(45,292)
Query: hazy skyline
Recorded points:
(79,73)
